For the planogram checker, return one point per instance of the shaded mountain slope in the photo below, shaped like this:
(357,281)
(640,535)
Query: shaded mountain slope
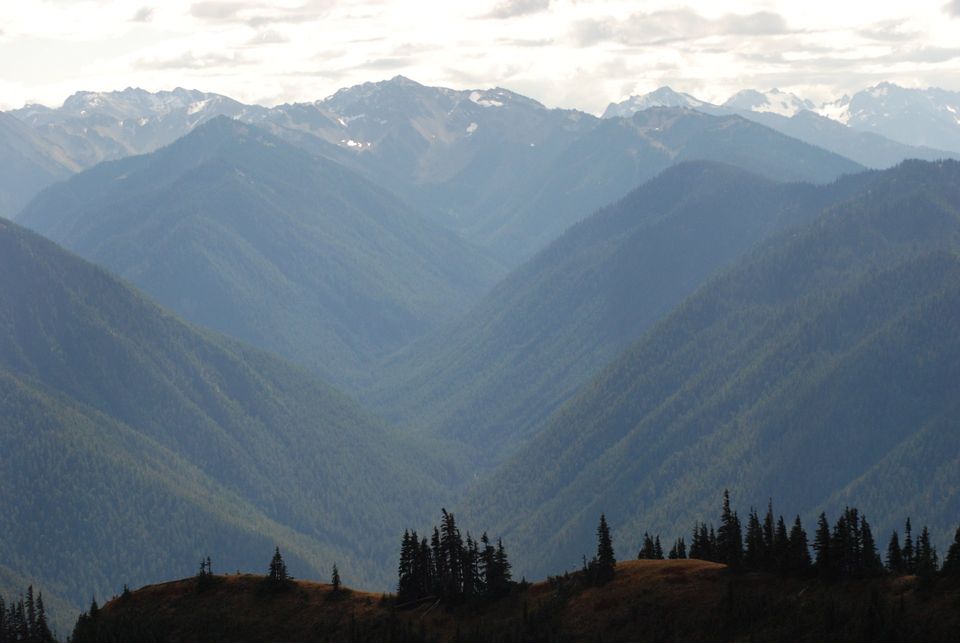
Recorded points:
(134,432)
(490,378)
(243,233)
(28,163)
(805,371)
(867,148)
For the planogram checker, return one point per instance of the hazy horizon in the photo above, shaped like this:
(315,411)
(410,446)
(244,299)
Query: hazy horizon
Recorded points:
(563,53)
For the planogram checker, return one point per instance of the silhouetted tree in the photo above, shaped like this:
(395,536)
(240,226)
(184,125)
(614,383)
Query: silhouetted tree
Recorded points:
(894,555)
(926,557)
(679,549)
(335,578)
(729,537)
(277,573)
(951,564)
(821,546)
(605,562)
(870,562)
(755,553)
(799,550)
(909,553)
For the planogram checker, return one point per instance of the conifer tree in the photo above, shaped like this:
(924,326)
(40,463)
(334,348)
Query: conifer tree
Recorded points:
(781,547)
(648,551)
(679,549)
(657,548)
(951,564)
(926,556)
(799,550)
(31,613)
(605,560)
(769,526)
(869,557)
(729,536)
(42,633)
(277,573)
(755,553)
(821,545)
(335,578)
(697,542)
(894,554)
(909,553)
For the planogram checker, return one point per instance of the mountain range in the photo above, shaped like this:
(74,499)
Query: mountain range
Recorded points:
(491,377)
(552,315)
(865,139)
(238,231)
(817,365)
(143,444)
(484,163)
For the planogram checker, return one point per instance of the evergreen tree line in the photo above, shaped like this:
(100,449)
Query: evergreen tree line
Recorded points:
(848,550)
(24,619)
(449,568)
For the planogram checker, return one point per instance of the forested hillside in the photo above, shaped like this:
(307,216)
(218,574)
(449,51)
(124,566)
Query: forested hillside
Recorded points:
(135,444)
(243,233)
(811,369)
(490,378)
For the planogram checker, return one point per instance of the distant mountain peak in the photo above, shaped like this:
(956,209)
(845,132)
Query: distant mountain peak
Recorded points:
(774,101)
(661,97)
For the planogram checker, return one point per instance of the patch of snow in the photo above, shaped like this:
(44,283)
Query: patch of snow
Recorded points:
(471,128)
(143,121)
(838,110)
(197,106)
(342,122)
(478,98)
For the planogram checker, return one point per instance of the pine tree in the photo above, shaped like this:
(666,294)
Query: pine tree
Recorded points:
(781,547)
(869,557)
(42,633)
(657,548)
(277,573)
(821,545)
(406,582)
(895,555)
(799,551)
(755,554)
(951,564)
(451,546)
(729,536)
(423,568)
(769,526)
(679,549)
(606,561)
(926,556)
(335,578)
(31,613)
(649,549)
(909,554)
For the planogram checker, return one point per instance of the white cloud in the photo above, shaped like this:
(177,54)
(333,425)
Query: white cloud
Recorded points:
(571,53)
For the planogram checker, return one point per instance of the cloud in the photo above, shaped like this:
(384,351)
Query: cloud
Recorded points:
(953,8)
(143,14)
(191,60)
(268,37)
(514,8)
(676,25)
(217,11)
(258,14)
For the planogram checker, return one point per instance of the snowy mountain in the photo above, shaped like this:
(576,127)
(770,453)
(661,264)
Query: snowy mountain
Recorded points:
(663,97)
(96,126)
(929,117)
(775,101)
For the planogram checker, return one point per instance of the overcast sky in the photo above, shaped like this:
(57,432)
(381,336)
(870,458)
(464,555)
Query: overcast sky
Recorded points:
(565,53)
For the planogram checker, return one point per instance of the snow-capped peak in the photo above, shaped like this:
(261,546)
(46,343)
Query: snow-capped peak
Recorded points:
(773,101)
(662,97)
